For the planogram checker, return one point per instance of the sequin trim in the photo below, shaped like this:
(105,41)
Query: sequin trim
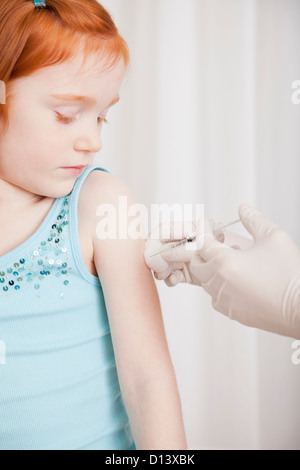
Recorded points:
(49,259)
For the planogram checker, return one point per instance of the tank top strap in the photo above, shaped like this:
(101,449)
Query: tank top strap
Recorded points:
(73,225)
(81,180)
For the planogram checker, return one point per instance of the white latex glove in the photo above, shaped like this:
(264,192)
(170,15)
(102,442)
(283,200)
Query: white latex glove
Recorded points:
(171,269)
(173,266)
(259,286)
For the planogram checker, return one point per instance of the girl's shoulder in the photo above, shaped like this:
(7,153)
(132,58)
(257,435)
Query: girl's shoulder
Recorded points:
(103,188)
(100,183)
(103,194)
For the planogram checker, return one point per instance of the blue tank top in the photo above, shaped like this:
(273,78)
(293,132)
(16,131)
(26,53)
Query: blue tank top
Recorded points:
(59,388)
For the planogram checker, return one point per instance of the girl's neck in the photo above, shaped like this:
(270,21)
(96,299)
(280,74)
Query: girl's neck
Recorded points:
(14,199)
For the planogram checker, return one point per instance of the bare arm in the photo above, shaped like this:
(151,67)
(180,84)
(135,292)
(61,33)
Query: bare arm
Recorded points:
(143,361)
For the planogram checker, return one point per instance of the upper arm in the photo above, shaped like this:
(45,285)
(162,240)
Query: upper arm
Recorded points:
(129,289)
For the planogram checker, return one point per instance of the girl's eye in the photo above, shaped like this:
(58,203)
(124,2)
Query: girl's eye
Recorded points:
(68,119)
(64,119)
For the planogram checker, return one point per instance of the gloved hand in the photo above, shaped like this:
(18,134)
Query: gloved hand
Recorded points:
(173,266)
(260,286)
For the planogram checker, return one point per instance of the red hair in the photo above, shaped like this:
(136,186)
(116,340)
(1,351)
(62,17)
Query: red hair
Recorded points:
(33,38)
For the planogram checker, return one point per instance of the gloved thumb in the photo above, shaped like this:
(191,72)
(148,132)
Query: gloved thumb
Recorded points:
(255,222)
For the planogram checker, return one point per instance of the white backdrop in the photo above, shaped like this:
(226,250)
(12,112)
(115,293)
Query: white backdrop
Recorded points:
(206,116)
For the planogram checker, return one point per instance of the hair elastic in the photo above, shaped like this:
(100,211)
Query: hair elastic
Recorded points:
(40,3)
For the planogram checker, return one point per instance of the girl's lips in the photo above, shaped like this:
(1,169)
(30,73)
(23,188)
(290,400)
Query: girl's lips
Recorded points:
(74,169)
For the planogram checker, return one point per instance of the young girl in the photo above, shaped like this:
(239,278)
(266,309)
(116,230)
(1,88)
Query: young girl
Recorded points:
(75,307)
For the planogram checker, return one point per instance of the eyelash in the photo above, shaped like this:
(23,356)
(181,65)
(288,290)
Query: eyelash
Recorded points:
(68,120)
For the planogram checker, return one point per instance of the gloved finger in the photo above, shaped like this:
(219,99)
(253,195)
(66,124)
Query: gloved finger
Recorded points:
(152,247)
(204,229)
(214,287)
(175,278)
(181,254)
(237,241)
(185,253)
(207,241)
(220,236)
(163,274)
(155,263)
(217,231)
(255,222)
(172,231)
(187,274)
(211,248)
(201,271)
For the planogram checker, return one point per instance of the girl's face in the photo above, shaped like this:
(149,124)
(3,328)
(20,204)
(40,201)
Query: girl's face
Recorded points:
(56,117)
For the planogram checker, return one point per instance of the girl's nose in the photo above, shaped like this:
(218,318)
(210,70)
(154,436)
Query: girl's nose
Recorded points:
(89,142)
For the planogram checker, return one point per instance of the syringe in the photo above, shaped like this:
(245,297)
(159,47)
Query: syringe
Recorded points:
(192,238)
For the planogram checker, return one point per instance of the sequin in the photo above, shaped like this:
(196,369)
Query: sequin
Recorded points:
(41,263)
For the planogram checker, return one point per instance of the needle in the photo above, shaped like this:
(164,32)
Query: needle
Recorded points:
(227,225)
(185,240)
